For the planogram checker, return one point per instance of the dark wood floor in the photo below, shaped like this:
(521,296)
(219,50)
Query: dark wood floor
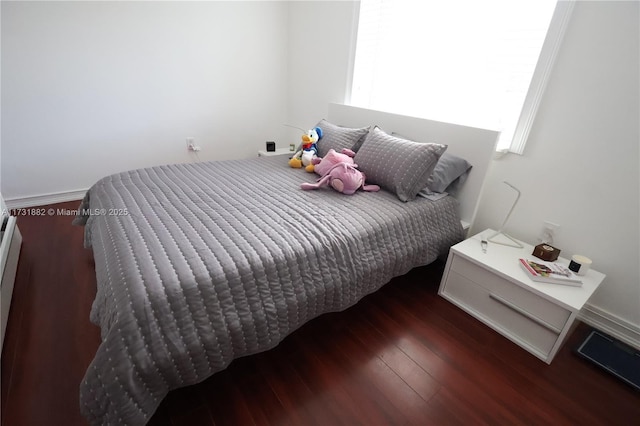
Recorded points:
(401,356)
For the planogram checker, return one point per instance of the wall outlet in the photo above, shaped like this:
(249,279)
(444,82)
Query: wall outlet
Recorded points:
(191,145)
(548,233)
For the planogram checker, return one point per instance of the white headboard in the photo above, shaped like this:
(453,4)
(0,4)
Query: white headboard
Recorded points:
(477,146)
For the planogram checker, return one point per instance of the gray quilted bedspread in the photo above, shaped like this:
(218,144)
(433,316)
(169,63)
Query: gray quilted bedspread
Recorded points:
(199,264)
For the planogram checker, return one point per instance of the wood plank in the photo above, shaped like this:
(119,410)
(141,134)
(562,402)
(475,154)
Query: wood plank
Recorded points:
(302,405)
(53,329)
(438,364)
(354,355)
(225,401)
(258,395)
(325,373)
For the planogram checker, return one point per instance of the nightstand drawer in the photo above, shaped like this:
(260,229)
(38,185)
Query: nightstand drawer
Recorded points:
(502,289)
(501,314)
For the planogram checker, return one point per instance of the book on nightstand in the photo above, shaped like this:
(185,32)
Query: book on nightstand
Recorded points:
(549,272)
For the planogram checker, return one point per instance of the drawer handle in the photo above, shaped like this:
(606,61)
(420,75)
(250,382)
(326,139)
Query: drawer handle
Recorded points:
(525,313)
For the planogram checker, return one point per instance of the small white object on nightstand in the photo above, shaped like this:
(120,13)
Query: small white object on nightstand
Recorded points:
(279,151)
(489,284)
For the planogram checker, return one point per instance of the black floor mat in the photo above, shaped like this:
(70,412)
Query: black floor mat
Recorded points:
(617,358)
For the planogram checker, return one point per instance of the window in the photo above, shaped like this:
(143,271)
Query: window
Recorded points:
(481,64)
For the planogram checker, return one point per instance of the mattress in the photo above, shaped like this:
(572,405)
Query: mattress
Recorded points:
(199,264)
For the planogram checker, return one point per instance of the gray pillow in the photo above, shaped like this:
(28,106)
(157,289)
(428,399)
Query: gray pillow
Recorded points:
(397,165)
(447,170)
(338,137)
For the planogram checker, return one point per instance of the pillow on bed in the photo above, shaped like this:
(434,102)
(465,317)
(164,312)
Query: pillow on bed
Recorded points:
(398,165)
(338,137)
(448,169)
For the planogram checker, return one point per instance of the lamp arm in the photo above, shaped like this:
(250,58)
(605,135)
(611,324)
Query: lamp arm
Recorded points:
(506,219)
(513,242)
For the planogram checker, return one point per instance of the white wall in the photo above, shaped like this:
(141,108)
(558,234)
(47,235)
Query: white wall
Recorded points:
(93,88)
(320,43)
(580,166)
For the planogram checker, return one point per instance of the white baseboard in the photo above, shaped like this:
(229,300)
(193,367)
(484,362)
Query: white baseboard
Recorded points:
(45,199)
(612,325)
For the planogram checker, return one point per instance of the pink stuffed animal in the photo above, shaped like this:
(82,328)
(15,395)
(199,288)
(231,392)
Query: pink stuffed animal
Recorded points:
(343,177)
(322,165)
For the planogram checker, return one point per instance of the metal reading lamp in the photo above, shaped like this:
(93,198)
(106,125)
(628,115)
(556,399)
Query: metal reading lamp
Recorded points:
(513,242)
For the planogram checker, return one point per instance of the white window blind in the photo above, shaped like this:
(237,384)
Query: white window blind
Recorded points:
(476,63)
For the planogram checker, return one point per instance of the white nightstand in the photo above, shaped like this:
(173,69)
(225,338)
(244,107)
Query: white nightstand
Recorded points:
(279,151)
(493,288)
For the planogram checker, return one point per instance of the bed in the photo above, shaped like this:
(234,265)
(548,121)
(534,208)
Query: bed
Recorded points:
(199,264)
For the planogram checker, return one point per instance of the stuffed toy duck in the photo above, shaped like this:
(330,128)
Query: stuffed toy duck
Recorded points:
(339,171)
(308,151)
